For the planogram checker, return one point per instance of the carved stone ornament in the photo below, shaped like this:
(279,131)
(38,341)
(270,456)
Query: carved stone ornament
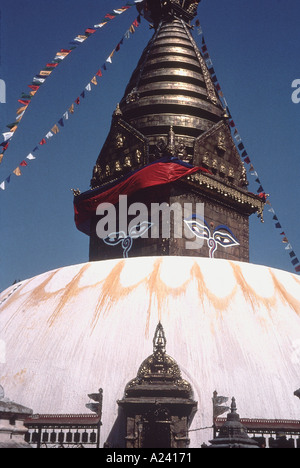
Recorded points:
(159,368)
(97,170)
(118,167)
(107,170)
(243,179)
(205,160)
(221,142)
(117,112)
(120,140)
(76,192)
(173,147)
(230,172)
(222,169)
(214,164)
(127,161)
(138,156)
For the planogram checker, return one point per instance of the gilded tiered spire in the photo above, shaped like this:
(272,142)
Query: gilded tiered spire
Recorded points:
(171,111)
(169,91)
(171,86)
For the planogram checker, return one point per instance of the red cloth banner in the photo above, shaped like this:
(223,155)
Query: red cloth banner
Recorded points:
(159,173)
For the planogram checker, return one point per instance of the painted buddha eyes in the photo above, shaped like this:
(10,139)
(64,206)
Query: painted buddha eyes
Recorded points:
(226,239)
(198,229)
(135,232)
(221,235)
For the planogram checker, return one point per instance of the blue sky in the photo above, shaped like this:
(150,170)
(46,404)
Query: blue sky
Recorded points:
(255,49)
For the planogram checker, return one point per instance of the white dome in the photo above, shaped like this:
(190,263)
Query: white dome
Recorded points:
(232,327)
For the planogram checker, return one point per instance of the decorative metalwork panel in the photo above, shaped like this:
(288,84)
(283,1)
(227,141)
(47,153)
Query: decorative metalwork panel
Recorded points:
(79,436)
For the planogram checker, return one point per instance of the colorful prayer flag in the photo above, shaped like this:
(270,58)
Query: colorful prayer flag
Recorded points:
(100,25)
(110,56)
(20,116)
(39,80)
(7,135)
(30,157)
(80,39)
(17,171)
(24,102)
(45,73)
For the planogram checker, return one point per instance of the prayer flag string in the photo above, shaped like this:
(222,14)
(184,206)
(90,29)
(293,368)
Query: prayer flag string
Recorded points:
(43,75)
(243,153)
(59,125)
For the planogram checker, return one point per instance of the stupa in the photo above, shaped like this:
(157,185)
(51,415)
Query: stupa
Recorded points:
(227,325)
